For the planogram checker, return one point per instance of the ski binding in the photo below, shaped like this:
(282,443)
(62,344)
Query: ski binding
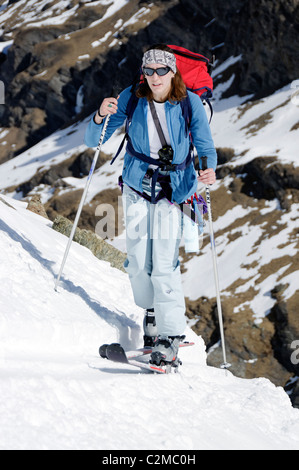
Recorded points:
(115,352)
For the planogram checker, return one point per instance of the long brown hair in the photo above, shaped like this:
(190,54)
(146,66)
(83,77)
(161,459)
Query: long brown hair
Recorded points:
(178,89)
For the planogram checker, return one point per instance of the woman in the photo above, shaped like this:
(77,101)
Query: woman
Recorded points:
(153,223)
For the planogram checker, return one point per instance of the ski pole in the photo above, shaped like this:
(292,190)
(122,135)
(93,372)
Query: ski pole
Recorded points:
(83,198)
(225,364)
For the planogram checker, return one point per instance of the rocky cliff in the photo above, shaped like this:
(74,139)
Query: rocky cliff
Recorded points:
(83,48)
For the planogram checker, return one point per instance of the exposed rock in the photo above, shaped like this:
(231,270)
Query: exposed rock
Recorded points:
(44,73)
(265,178)
(35,205)
(109,201)
(224,155)
(100,248)
(265,32)
(77,166)
(285,341)
(248,345)
(295,394)
(6,203)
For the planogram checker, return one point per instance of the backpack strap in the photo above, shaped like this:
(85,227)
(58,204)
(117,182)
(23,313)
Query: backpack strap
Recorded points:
(186,112)
(157,124)
(131,106)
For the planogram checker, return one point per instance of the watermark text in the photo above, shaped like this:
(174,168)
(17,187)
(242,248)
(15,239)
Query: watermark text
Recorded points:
(2,93)
(295,354)
(132,221)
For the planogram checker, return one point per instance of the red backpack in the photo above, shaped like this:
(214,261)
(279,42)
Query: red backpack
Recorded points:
(194,69)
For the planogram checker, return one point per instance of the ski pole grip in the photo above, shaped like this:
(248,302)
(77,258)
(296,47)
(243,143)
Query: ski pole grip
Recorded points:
(204,163)
(115,91)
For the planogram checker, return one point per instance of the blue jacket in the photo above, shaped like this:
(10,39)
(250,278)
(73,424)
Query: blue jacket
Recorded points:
(183,182)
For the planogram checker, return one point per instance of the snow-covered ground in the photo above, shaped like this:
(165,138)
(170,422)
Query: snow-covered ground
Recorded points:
(57,393)
(260,128)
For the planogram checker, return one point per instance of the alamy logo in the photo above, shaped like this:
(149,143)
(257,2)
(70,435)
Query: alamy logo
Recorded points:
(2,93)
(295,354)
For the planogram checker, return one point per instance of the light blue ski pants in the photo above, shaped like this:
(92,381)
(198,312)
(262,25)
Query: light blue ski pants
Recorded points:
(153,235)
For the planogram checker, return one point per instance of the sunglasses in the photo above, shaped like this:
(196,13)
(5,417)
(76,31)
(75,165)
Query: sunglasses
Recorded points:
(160,71)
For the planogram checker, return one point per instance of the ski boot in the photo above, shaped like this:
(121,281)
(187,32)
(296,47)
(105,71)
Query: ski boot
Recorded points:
(165,351)
(149,328)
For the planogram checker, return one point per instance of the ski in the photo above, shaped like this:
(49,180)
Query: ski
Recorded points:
(115,352)
(137,352)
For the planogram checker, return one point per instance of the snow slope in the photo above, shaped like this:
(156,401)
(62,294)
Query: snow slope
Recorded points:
(258,128)
(57,393)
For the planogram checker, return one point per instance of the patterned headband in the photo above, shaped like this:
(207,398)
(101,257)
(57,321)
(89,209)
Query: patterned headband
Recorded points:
(157,56)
